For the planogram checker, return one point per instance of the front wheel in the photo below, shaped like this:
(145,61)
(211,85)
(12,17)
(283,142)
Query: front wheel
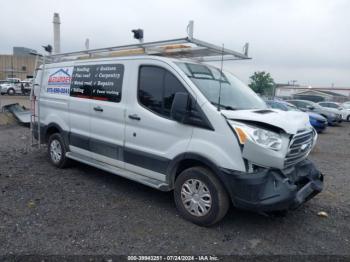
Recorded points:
(11,92)
(56,151)
(200,197)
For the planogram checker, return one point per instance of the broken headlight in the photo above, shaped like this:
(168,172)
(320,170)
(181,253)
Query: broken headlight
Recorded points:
(260,136)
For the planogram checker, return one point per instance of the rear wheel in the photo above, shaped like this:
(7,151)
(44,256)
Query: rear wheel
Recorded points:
(56,151)
(200,197)
(348,118)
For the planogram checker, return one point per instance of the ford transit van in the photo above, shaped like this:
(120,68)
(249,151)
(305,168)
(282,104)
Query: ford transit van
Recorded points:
(181,126)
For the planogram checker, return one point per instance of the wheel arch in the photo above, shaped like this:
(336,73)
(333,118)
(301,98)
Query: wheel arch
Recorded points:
(187,160)
(53,128)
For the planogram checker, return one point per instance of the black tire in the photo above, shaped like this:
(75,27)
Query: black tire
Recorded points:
(219,198)
(348,118)
(62,161)
(11,92)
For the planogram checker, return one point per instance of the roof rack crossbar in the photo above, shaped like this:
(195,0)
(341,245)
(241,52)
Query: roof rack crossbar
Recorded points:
(197,50)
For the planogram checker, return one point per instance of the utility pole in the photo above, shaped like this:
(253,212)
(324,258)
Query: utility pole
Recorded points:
(56,34)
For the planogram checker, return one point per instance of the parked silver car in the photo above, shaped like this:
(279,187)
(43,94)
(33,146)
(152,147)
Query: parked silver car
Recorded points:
(333,115)
(344,111)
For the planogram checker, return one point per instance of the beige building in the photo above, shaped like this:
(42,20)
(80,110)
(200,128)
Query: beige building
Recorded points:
(19,66)
(338,94)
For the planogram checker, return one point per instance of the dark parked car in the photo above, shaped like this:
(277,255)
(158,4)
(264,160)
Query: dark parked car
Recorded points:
(333,115)
(317,121)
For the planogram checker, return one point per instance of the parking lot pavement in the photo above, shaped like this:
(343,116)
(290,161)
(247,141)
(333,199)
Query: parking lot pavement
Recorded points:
(82,210)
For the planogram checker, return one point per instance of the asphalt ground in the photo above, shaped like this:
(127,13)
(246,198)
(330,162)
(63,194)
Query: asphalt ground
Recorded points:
(83,210)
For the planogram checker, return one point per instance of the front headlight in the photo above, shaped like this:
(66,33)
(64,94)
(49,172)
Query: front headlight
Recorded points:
(260,136)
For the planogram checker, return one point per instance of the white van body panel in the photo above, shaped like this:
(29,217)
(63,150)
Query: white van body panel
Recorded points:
(144,148)
(53,107)
(221,145)
(156,136)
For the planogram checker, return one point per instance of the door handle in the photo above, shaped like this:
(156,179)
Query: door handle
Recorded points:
(135,117)
(98,109)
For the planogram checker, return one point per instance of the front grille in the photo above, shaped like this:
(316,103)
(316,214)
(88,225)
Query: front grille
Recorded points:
(299,147)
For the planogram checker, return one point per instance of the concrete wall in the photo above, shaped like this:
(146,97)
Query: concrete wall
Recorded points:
(20,66)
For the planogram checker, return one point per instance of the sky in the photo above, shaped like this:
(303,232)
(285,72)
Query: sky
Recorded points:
(303,40)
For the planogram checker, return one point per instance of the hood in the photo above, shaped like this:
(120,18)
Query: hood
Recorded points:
(332,110)
(289,121)
(5,85)
(316,116)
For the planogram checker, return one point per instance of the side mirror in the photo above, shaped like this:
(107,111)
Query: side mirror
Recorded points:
(179,108)
(310,107)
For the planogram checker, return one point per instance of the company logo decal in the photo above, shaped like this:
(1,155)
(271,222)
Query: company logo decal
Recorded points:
(59,81)
(60,77)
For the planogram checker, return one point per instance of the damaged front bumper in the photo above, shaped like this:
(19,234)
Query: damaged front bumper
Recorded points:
(273,189)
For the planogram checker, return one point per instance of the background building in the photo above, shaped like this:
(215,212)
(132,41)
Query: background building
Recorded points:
(338,94)
(19,50)
(20,65)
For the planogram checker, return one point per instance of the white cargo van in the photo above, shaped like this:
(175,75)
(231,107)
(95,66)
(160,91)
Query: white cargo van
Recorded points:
(159,121)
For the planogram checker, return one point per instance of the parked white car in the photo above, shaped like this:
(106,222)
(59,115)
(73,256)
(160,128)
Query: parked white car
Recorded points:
(343,109)
(346,105)
(13,80)
(10,88)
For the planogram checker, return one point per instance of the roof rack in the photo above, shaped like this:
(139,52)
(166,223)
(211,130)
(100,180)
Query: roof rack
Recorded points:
(187,47)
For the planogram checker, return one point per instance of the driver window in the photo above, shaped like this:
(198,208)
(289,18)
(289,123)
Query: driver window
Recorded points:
(157,88)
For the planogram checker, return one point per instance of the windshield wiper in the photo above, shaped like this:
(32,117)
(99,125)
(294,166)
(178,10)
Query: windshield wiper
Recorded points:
(224,106)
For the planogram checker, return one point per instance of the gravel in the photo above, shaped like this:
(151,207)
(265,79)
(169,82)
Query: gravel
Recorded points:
(82,210)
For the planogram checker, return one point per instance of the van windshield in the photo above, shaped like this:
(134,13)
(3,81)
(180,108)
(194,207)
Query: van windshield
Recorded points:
(235,95)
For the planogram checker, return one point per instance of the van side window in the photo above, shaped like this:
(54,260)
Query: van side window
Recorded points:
(171,86)
(157,88)
(150,90)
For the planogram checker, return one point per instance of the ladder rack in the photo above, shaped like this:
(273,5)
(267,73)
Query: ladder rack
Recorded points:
(187,47)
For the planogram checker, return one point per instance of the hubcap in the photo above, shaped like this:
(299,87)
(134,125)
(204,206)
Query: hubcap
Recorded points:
(55,151)
(196,197)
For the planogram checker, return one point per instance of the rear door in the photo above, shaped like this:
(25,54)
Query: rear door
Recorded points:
(152,138)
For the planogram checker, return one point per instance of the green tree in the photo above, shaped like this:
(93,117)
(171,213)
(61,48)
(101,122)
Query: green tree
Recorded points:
(262,83)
